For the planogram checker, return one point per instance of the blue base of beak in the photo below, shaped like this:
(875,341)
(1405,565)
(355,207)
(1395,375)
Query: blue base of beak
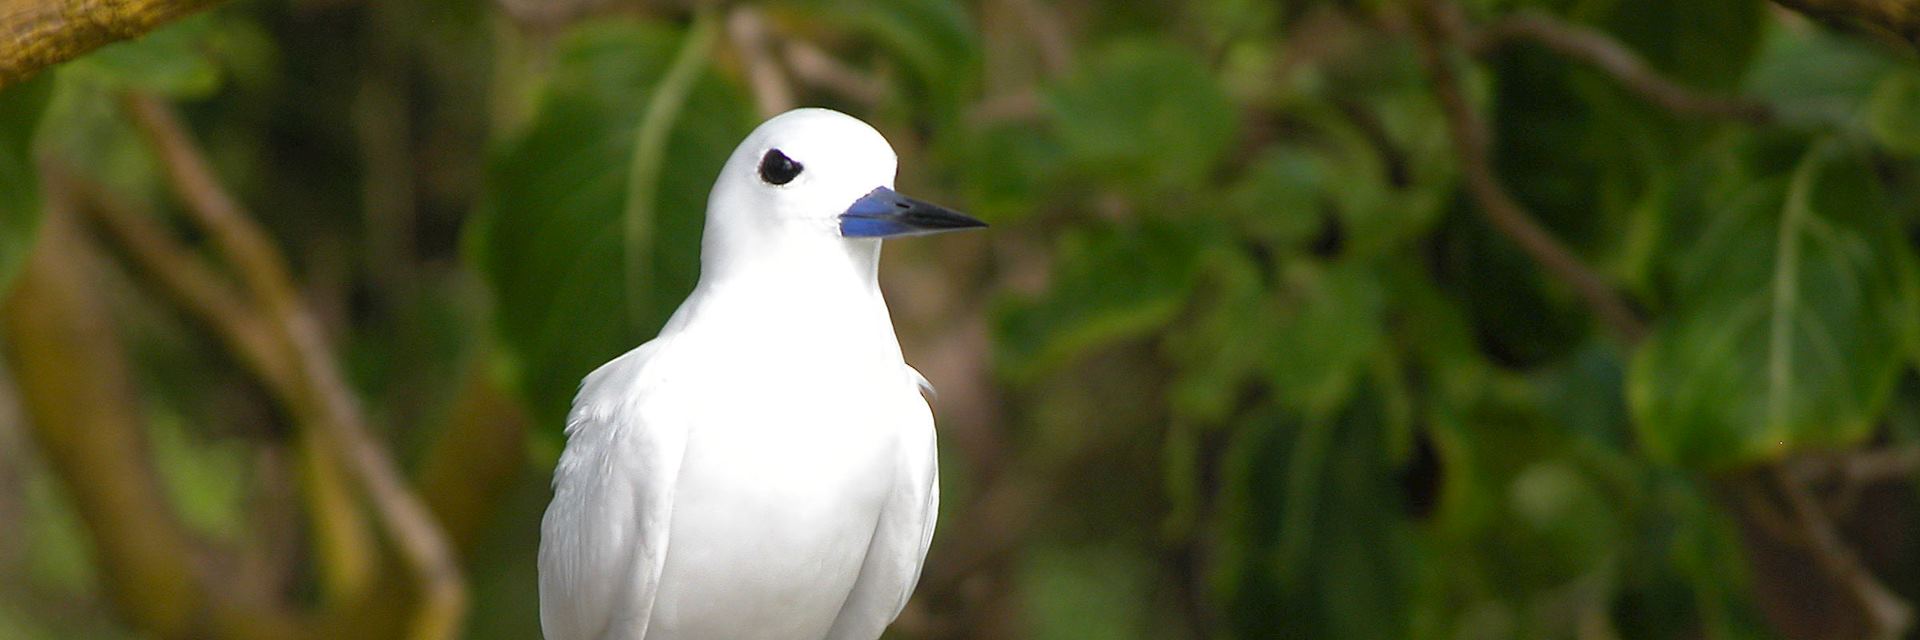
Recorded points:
(882,213)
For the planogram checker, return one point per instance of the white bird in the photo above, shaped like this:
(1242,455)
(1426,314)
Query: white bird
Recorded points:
(764,468)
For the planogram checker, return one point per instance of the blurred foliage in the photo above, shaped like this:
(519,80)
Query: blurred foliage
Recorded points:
(1239,358)
(20,114)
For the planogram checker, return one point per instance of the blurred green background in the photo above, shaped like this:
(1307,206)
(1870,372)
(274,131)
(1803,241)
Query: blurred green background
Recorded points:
(1318,319)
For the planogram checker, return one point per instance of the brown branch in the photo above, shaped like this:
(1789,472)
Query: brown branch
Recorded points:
(1895,22)
(1596,48)
(344,541)
(477,458)
(1890,616)
(1021,106)
(1049,34)
(77,391)
(1851,473)
(184,279)
(475,461)
(1758,505)
(381,112)
(252,254)
(322,397)
(753,42)
(1862,467)
(1438,34)
(816,67)
(36,34)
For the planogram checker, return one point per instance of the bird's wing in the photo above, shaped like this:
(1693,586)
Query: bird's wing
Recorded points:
(901,536)
(604,539)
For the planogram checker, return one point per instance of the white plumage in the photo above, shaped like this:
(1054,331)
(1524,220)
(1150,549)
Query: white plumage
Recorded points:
(764,468)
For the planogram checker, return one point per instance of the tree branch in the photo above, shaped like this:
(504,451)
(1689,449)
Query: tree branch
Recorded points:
(474,461)
(477,459)
(1438,32)
(1049,35)
(1616,60)
(1863,467)
(752,42)
(1893,21)
(77,392)
(322,397)
(184,279)
(816,67)
(345,543)
(36,34)
(1890,616)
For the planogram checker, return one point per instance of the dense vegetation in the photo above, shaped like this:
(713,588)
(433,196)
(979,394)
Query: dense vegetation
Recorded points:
(1319,319)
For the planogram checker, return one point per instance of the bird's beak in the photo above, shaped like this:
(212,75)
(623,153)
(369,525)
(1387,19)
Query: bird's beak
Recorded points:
(882,213)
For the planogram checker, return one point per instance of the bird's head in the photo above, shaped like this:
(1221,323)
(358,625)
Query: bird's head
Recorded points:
(819,173)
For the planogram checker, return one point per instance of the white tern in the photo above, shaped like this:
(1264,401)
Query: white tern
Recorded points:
(765,467)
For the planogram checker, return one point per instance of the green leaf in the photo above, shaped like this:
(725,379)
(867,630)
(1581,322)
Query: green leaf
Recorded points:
(1793,315)
(1574,148)
(650,153)
(1815,74)
(1314,544)
(172,60)
(1231,308)
(1515,314)
(61,558)
(1110,285)
(1004,170)
(1583,152)
(548,238)
(1708,551)
(1526,509)
(1583,156)
(1517,498)
(1586,391)
(199,477)
(1080,593)
(1144,116)
(1324,346)
(1282,198)
(20,109)
(1893,113)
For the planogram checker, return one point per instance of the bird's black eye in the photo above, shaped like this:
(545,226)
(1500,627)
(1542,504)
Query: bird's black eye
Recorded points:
(777,168)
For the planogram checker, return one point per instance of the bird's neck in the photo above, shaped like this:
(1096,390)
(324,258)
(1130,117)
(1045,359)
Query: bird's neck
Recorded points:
(822,287)
(795,253)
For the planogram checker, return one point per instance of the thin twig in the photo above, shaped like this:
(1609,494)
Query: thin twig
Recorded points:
(1895,22)
(1880,465)
(77,392)
(1851,473)
(1865,467)
(1889,615)
(1020,106)
(816,67)
(1438,32)
(748,30)
(253,340)
(650,157)
(324,399)
(1049,35)
(1622,64)
(1760,509)
(188,282)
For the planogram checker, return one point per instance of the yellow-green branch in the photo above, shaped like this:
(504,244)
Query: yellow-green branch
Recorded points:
(36,34)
